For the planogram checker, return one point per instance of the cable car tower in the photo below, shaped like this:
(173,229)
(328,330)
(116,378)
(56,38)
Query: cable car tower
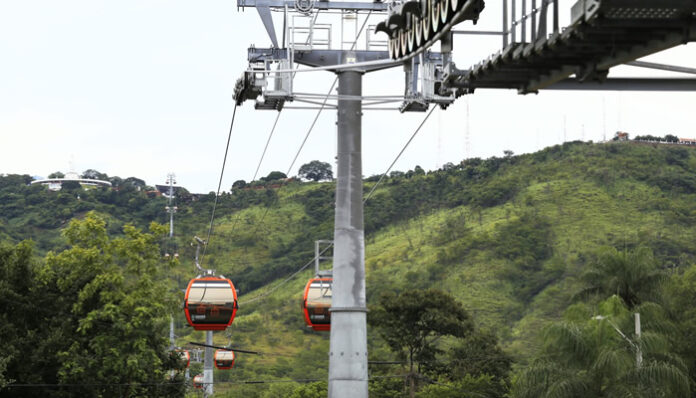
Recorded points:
(308,40)
(601,35)
(210,304)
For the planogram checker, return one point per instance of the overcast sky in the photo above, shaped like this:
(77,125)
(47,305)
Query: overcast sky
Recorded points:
(143,87)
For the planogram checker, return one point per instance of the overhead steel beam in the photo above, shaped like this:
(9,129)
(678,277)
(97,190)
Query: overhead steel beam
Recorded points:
(265,14)
(670,68)
(318,5)
(627,84)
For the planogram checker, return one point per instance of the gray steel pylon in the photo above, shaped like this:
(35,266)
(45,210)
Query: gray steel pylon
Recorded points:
(348,346)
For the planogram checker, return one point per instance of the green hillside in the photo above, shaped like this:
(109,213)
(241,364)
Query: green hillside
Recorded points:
(507,237)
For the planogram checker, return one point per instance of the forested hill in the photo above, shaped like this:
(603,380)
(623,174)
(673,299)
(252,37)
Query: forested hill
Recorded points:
(507,237)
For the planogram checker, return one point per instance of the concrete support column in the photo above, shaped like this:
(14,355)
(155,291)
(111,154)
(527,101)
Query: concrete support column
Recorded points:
(208,364)
(348,347)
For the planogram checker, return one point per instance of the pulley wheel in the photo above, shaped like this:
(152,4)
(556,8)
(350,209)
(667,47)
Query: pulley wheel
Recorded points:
(411,37)
(444,11)
(390,45)
(397,47)
(435,15)
(455,4)
(417,29)
(403,40)
(425,24)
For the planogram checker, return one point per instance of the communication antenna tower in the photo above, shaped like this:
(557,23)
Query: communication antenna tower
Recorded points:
(169,208)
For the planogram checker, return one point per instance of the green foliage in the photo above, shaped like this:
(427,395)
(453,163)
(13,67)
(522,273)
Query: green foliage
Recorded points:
(316,171)
(469,386)
(413,321)
(96,311)
(410,322)
(239,184)
(509,237)
(274,176)
(317,389)
(586,356)
(632,275)
(94,175)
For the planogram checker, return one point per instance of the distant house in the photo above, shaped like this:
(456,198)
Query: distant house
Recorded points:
(55,184)
(621,136)
(164,189)
(687,141)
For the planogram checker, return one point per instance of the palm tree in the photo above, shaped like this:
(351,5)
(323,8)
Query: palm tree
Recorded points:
(585,358)
(632,275)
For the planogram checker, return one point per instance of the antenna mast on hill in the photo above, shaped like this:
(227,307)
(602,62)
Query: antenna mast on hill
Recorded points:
(171,209)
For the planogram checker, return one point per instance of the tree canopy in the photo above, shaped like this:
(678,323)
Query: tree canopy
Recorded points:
(96,312)
(316,170)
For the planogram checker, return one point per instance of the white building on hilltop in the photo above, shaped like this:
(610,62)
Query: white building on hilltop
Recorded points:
(55,184)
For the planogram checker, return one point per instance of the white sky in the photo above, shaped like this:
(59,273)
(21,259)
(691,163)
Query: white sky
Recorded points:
(143,87)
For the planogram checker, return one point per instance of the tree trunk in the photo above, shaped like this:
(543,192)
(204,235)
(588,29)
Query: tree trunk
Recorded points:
(411,378)
(412,385)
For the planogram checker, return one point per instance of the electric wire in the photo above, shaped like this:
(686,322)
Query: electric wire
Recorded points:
(217,195)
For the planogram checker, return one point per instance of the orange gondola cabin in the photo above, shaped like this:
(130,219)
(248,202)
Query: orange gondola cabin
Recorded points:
(317,302)
(184,355)
(224,359)
(210,303)
(198,381)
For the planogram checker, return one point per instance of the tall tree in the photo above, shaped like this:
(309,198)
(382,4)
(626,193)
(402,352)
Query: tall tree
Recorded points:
(412,322)
(121,309)
(93,318)
(588,357)
(633,275)
(316,171)
(94,174)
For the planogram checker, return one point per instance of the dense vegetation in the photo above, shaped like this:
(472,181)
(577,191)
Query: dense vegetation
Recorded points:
(545,253)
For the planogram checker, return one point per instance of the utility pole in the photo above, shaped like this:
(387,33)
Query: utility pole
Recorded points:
(639,353)
(348,347)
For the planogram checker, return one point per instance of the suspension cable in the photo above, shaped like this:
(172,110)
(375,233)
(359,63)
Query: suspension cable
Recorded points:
(276,287)
(399,155)
(309,131)
(217,194)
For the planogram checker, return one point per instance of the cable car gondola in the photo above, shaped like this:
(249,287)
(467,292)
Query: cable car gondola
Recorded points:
(198,381)
(317,302)
(210,303)
(224,359)
(184,355)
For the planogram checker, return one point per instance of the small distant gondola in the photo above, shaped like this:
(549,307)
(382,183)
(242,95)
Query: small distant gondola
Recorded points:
(317,302)
(198,381)
(184,355)
(224,359)
(210,303)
